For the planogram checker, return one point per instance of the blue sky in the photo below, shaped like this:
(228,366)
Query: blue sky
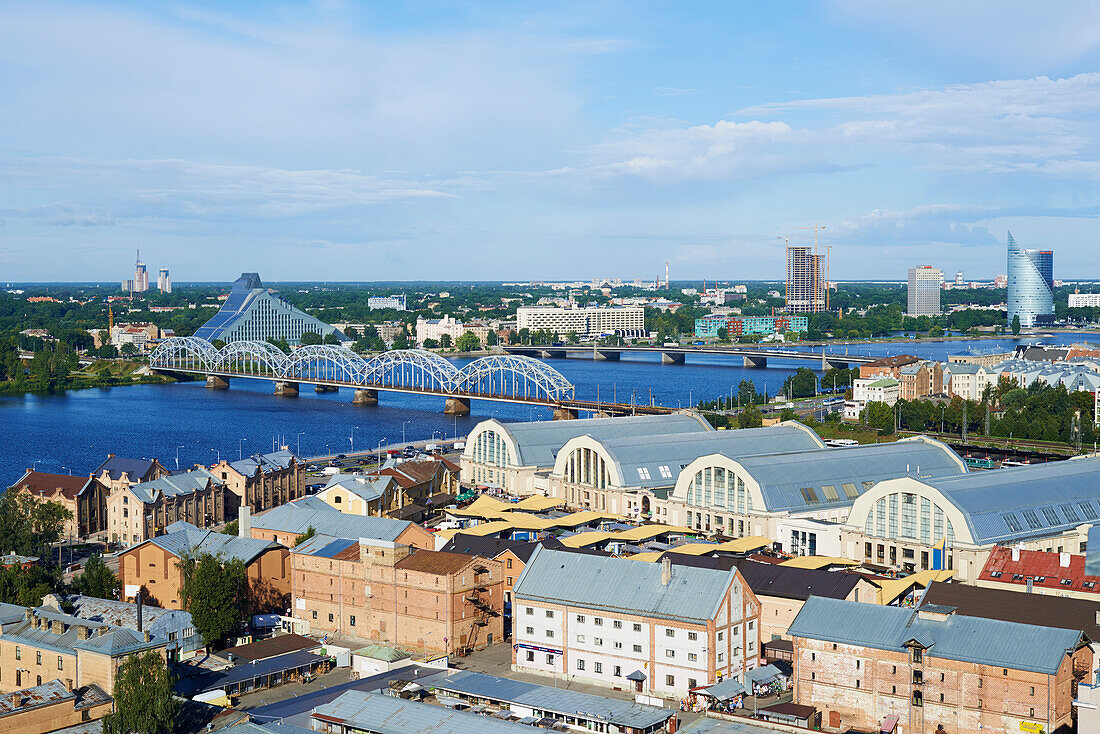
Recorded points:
(478,140)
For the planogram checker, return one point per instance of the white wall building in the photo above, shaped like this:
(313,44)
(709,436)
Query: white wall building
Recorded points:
(875,390)
(436,328)
(1084,300)
(378,302)
(805,536)
(583,320)
(653,627)
(968,381)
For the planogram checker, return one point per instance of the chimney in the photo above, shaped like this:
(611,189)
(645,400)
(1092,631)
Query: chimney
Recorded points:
(148,637)
(139,612)
(1063,560)
(1015,554)
(244,521)
(1030,584)
(69,685)
(81,632)
(666,571)
(16,700)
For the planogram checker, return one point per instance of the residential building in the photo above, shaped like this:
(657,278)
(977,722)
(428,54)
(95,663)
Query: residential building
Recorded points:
(986,358)
(584,321)
(141,511)
(736,326)
(624,475)
(84,497)
(138,334)
(52,706)
(931,669)
(118,472)
(395,302)
(876,390)
(518,457)
(154,565)
(615,622)
(887,366)
(1084,300)
(397,594)
(968,381)
(40,644)
(924,291)
(748,495)
(284,524)
(404,490)
(164,281)
(921,380)
(358,494)
(173,625)
(435,329)
(901,522)
(1059,573)
(807,280)
(254,313)
(261,481)
(1030,285)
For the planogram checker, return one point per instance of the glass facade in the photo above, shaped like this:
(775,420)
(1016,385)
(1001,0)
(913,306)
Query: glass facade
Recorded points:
(1030,285)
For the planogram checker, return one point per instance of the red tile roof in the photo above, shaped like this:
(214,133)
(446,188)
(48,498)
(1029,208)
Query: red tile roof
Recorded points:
(1044,569)
(49,485)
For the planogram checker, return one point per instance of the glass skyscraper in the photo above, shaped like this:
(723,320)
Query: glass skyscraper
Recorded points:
(1030,285)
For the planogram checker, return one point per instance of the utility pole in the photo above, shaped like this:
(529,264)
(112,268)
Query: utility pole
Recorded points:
(965,422)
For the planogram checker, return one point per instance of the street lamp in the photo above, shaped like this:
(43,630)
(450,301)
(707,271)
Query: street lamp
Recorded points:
(403,431)
(943,411)
(352,438)
(300,433)
(219,453)
(178,456)
(380,451)
(240,443)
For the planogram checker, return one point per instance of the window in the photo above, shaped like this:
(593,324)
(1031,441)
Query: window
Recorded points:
(1032,519)
(599,668)
(637,648)
(60,663)
(670,653)
(1004,671)
(580,638)
(850,491)
(617,624)
(918,698)
(509,563)
(617,671)
(693,636)
(918,655)
(598,621)
(692,657)
(941,698)
(893,689)
(643,472)
(530,656)
(918,677)
(549,633)
(18,653)
(530,610)
(830,493)
(979,703)
(669,632)
(618,645)
(549,613)
(721,636)
(38,657)
(810,495)
(598,641)
(670,680)
(315,614)
(1033,690)
(351,620)
(1031,712)
(330,617)
(549,659)
(637,627)
(857,664)
(857,683)
(580,664)
(580,619)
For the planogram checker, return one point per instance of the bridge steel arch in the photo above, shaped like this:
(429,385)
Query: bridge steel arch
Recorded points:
(506,375)
(251,358)
(184,353)
(415,369)
(326,363)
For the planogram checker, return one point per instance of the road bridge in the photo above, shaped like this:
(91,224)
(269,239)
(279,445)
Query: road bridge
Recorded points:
(751,357)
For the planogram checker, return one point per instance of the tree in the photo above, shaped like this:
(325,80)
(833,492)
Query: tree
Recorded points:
(723,334)
(468,342)
(216,595)
(750,418)
(29,527)
(1016,325)
(281,344)
(445,341)
(27,586)
(107,351)
(880,416)
(129,350)
(97,580)
(331,339)
(145,701)
(491,339)
(233,527)
(309,533)
(431,344)
(802,384)
(401,340)
(310,338)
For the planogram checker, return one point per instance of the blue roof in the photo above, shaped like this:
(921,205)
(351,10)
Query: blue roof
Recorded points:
(116,466)
(297,520)
(366,488)
(620,585)
(1012,504)
(952,637)
(274,461)
(553,699)
(183,538)
(1092,552)
(374,712)
(174,485)
(253,669)
(325,546)
(247,293)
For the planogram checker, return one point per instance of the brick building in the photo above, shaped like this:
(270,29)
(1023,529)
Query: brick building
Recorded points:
(932,670)
(51,706)
(1039,572)
(141,511)
(887,366)
(399,595)
(284,524)
(261,481)
(920,380)
(84,497)
(153,565)
(118,472)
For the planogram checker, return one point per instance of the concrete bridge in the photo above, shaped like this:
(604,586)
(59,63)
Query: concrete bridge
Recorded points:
(751,357)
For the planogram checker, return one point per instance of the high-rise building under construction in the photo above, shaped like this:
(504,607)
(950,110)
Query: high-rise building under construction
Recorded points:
(807,280)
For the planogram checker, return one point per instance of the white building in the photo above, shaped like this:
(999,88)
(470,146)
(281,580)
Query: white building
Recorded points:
(924,291)
(968,381)
(395,302)
(583,320)
(875,390)
(164,281)
(436,328)
(1084,300)
(654,627)
(806,536)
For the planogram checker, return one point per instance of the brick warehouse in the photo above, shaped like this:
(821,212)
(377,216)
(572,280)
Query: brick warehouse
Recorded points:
(932,670)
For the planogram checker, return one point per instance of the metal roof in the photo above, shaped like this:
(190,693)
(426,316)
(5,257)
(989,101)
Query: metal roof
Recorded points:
(622,585)
(1092,552)
(539,441)
(657,461)
(116,466)
(297,520)
(1012,504)
(1047,610)
(772,579)
(324,546)
(274,461)
(378,714)
(365,488)
(955,637)
(553,699)
(174,485)
(784,477)
(720,726)
(183,538)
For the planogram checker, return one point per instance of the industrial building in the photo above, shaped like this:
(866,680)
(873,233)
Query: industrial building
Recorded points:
(655,627)
(255,313)
(1030,285)
(584,321)
(924,291)
(903,521)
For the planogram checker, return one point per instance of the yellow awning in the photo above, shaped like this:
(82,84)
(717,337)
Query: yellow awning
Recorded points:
(650,556)
(583,540)
(744,545)
(817,562)
(525,521)
(583,518)
(694,549)
(537,503)
(648,532)
(488,528)
(890,590)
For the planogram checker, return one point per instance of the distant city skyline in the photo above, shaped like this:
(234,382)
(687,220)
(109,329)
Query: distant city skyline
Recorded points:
(495,141)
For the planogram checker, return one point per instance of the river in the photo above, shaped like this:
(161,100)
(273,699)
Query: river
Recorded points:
(73,432)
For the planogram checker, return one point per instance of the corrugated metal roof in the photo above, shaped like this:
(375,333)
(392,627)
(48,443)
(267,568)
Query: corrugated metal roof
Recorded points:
(553,699)
(297,520)
(1092,552)
(183,538)
(116,466)
(325,546)
(365,488)
(274,461)
(1012,504)
(968,639)
(378,714)
(174,485)
(622,585)
(539,441)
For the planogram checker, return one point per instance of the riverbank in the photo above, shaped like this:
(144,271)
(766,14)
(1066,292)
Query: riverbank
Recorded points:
(100,374)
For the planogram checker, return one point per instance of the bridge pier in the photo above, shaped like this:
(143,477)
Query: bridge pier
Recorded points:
(365,396)
(289,389)
(755,361)
(457,406)
(836,364)
(325,388)
(672,357)
(606,355)
(564,414)
(214,382)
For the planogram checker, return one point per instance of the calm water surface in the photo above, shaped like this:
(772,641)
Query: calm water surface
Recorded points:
(73,432)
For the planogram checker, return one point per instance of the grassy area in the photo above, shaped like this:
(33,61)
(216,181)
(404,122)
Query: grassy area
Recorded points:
(831,429)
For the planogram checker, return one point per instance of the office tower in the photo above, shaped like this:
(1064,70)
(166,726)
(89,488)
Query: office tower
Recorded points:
(164,281)
(807,283)
(924,291)
(1030,285)
(141,275)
